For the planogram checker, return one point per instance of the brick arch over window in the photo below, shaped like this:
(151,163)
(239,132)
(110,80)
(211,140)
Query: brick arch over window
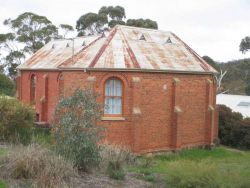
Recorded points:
(113,97)
(33,83)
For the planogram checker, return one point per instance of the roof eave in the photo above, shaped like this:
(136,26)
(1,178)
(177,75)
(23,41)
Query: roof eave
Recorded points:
(120,70)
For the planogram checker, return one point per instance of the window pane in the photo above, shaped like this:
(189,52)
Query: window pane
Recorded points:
(113,103)
(113,106)
(113,88)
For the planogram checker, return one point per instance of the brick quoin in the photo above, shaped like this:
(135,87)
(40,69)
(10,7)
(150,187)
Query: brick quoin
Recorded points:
(161,111)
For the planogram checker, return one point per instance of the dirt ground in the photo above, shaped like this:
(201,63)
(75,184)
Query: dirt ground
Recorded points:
(102,181)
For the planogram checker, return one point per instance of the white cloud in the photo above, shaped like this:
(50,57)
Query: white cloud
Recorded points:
(212,28)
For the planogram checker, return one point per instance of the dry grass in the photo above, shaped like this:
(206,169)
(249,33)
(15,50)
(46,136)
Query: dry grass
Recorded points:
(38,164)
(115,153)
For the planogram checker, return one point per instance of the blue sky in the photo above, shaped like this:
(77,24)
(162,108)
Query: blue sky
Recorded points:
(212,28)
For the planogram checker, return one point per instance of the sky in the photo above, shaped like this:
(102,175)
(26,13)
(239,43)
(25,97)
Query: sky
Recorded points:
(210,27)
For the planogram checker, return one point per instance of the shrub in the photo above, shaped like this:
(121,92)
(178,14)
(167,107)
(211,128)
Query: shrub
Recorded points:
(75,131)
(7,85)
(112,152)
(39,164)
(16,121)
(115,170)
(113,158)
(233,129)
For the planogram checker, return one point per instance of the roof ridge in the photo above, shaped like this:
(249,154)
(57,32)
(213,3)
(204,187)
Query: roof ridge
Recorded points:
(80,51)
(143,28)
(103,47)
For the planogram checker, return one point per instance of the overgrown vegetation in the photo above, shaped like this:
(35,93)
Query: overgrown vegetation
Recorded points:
(75,131)
(114,158)
(16,121)
(220,167)
(7,86)
(234,130)
(38,164)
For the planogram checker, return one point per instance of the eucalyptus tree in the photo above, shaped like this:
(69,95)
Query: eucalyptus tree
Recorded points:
(145,23)
(245,44)
(65,28)
(106,18)
(28,33)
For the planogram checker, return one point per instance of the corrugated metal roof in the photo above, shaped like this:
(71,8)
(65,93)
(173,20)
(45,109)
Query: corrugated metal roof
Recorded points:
(122,48)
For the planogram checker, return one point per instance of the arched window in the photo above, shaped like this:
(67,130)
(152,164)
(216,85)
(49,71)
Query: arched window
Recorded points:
(33,89)
(113,97)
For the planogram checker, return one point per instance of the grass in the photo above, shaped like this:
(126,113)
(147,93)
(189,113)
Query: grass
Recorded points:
(42,136)
(221,167)
(3,151)
(2,184)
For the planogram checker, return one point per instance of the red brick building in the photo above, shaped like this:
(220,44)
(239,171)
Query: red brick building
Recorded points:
(159,94)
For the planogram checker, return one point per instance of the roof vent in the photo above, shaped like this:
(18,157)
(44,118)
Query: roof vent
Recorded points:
(168,41)
(67,45)
(53,46)
(83,43)
(142,37)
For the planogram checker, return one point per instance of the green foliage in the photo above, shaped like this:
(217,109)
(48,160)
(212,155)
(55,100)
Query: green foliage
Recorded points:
(245,44)
(91,23)
(33,30)
(75,131)
(115,13)
(115,170)
(108,17)
(66,29)
(30,29)
(220,167)
(237,77)
(233,129)
(145,23)
(247,90)
(211,62)
(42,136)
(2,184)
(16,121)
(7,86)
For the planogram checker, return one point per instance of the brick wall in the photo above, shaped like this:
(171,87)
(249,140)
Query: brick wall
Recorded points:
(162,111)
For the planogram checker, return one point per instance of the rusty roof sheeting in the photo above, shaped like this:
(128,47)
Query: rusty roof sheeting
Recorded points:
(121,48)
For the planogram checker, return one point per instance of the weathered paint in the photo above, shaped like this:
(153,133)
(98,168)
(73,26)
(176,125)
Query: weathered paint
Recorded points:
(121,48)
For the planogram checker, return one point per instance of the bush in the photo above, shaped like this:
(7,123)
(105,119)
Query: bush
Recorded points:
(115,170)
(233,129)
(7,86)
(39,164)
(113,158)
(75,132)
(16,121)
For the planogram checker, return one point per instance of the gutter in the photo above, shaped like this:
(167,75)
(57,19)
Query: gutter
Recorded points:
(122,70)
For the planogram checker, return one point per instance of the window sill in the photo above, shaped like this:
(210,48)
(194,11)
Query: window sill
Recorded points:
(112,118)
